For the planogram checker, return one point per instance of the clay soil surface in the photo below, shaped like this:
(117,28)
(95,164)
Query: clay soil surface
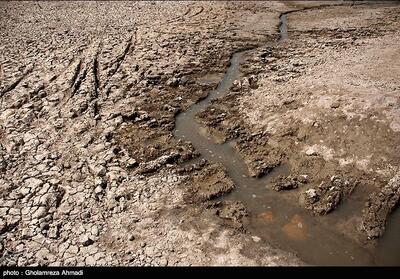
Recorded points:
(91,173)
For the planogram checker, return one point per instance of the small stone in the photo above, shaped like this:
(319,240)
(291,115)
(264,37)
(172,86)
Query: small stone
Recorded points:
(108,132)
(309,197)
(39,157)
(100,171)
(72,250)
(54,181)
(99,182)
(173,82)
(85,240)
(150,251)
(311,152)
(135,219)
(44,255)
(131,237)
(90,261)
(44,226)
(300,225)
(98,190)
(3,226)
(24,191)
(95,231)
(132,163)
(21,262)
(311,193)
(335,105)
(334,177)
(53,232)
(70,262)
(303,178)
(256,238)
(163,261)
(98,256)
(40,212)
(33,183)
(287,183)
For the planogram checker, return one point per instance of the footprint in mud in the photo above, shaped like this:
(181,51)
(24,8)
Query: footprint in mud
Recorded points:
(266,216)
(295,229)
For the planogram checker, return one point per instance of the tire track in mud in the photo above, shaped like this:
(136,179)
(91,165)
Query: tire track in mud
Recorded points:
(176,19)
(87,66)
(16,82)
(120,58)
(76,71)
(1,72)
(96,75)
(84,65)
(197,13)
(185,16)
(201,15)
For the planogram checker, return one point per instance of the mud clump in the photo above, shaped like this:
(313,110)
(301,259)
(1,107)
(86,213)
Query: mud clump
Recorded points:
(258,155)
(286,184)
(192,167)
(209,183)
(289,183)
(152,149)
(327,196)
(153,166)
(378,208)
(223,122)
(233,213)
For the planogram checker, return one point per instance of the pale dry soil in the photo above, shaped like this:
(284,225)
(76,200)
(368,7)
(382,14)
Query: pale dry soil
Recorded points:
(90,173)
(88,164)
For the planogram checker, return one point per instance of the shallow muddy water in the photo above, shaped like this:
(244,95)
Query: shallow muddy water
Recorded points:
(277,218)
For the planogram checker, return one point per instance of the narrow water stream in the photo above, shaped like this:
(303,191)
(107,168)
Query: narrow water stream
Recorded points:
(276,217)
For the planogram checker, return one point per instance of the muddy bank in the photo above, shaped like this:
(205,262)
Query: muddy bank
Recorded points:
(379,206)
(208,182)
(323,107)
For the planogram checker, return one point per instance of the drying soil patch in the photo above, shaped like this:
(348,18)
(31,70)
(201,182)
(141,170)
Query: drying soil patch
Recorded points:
(209,182)
(325,103)
(88,163)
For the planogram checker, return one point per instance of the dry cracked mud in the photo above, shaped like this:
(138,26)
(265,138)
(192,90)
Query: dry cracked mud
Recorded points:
(92,174)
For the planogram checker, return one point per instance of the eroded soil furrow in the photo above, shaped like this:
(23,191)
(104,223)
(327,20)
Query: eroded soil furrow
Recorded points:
(120,58)
(17,81)
(143,148)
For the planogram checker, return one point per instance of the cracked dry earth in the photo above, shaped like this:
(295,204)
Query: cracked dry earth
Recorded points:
(88,163)
(91,174)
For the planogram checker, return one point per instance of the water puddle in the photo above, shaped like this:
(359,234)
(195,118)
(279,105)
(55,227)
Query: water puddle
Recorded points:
(283,34)
(276,217)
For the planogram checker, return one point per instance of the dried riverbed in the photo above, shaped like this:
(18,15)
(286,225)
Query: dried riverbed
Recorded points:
(103,162)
